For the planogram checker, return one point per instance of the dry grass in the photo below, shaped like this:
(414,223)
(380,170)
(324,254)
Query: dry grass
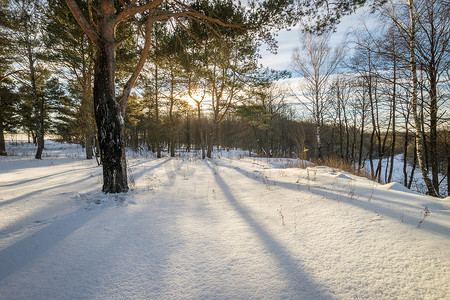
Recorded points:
(344,165)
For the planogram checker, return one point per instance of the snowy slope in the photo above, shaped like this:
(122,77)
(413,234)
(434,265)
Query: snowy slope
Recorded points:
(227,228)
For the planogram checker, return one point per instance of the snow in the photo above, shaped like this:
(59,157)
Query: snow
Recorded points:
(232,227)
(395,186)
(418,185)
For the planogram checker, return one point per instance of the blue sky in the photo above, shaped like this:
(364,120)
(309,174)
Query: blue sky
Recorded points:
(289,40)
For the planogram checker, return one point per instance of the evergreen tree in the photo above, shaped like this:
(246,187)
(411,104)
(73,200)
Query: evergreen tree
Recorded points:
(71,51)
(27,15)
(8,112)
(8,98)
(100,26)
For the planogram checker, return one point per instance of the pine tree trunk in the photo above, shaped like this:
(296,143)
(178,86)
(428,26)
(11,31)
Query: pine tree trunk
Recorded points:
(157,141)
(108,114)
(172,143)
(2,137)
(211,138)
(87,109)
(188,134)
(210,146)
(36,103)
(200,131)
(89,146)
(171,118)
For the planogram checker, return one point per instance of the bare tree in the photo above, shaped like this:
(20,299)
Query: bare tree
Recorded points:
(433,32)
(341,89)
(405,14)
(316,62)
(198,94)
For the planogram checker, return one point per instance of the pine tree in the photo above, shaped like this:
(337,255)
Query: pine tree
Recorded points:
(8,99)
(100,24)
(72,53)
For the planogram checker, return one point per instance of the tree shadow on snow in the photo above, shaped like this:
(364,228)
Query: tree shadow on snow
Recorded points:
(364,202)
(300,286)
(20,254)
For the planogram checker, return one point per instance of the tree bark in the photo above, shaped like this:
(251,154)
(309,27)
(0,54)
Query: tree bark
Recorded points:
(171,118)
(448,173)
(405,151)
(361,141)
(433,129)
(420,134)
(199,129)
(211,136)
(36,103)
(413,169)
(157,141)
(87,107)
(318,141)
(108,113)
(394,109)
(2,137)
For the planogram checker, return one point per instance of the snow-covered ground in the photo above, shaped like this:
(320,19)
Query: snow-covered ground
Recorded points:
(232,227)
(417,185)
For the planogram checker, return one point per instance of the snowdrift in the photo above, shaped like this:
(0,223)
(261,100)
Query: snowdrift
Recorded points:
(227,228)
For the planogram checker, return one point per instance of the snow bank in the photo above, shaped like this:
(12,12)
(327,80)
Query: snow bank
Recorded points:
(228,228)
(395,186)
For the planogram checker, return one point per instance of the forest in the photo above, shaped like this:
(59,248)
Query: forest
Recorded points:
(171,76)
(146,152)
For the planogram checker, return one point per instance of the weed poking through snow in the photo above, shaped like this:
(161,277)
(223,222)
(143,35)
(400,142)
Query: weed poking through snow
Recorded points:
(351,193)
(425,212)
(280,212)
(372,188)
(131,180)
(308,180)
(152,183)
(295,221)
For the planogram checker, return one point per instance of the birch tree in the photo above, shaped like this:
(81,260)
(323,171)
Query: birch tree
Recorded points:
(316,62)
(405,14)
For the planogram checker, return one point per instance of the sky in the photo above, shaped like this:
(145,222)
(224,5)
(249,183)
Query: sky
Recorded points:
(288,41)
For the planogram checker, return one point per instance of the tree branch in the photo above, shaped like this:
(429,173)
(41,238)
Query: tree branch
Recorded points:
(137,70)
(9,74)
(134,9)
(84,24)
(91,17)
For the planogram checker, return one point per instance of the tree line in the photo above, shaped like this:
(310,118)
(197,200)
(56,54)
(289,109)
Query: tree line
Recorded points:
(395,93)
(172,75)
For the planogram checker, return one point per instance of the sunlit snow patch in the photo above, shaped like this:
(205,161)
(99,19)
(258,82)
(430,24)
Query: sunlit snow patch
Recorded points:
(396,187)
(94,200)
